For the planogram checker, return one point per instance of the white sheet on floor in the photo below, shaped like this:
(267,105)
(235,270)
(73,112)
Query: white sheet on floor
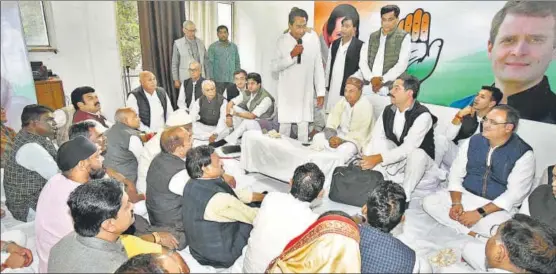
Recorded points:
(278,158)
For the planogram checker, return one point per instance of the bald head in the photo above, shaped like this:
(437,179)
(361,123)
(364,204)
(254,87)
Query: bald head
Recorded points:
(127,116)
(176,140)
(147,81)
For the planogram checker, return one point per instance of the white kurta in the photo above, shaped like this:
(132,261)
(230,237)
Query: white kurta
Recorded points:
(280,219)
(368,73)
(204,132)
(297,83)
(337,74)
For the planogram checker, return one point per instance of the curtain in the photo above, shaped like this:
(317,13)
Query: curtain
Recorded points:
(205,16)
(160,23)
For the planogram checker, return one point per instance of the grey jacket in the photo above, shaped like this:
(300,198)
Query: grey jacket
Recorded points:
(182,56)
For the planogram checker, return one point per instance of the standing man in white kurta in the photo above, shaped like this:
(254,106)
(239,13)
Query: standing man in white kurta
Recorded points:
(386,56)
(343,61)
(298,64)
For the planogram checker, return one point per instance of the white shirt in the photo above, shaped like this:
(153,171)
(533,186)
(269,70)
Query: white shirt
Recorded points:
(453,130)
(150,150)
(412,140)
(345,121)
(260,109)
(178,181)
(157,111)
(368,73)
(135,146)
(520,179)
(220,126)
(298,83)
(225,94)
(34,157)
(337,74)
(280,219)
(181,95)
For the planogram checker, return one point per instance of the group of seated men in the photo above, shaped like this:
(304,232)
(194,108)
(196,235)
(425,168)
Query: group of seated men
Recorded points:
(190,201)
(122,195)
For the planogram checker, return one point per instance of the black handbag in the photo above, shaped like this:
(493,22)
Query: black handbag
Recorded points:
(351,185)
(231,149)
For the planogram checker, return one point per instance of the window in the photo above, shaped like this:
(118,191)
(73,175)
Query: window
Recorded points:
(35,24)
(224,12)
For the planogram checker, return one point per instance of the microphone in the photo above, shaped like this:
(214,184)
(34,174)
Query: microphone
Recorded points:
(299,42)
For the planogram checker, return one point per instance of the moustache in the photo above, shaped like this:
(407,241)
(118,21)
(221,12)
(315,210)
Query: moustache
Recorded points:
(97,104)
(390,94)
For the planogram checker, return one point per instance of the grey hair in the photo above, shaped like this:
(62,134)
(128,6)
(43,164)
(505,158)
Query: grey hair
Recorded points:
(188,23)
(208,83)
(512,115)
(194,62)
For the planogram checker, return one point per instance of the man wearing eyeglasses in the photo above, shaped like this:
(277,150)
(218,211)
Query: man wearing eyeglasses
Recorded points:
(186,49)
(191,89)
(490,178)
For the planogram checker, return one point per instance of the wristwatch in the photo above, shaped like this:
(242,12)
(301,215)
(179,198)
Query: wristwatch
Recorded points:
(482,212)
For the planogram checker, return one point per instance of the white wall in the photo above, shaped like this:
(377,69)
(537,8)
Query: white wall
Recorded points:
(537,135)
(258,25)
(88,54)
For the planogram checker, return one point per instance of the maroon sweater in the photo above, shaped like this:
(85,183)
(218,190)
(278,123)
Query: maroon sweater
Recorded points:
(80,116)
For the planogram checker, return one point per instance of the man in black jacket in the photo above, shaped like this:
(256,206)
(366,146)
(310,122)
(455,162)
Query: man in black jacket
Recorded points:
(191,89)
(402,147)
(467,121)
(150,102)
(343,61)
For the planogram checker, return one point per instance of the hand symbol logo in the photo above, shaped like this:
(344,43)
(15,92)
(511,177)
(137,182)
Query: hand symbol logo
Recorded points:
(424,54)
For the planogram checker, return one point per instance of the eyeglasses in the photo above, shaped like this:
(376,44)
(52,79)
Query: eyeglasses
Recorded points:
(494,230)
(191,30)
(492,122)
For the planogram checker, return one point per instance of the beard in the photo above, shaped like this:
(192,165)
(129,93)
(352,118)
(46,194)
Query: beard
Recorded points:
(97,173)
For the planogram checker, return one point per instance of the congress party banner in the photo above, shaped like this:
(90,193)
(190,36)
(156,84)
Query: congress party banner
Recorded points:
(18,87)
(448,41)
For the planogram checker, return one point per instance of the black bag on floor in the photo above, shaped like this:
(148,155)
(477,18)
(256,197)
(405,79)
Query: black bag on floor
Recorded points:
(351,185)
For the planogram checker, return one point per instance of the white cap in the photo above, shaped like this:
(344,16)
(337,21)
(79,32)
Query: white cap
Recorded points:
(98,126)
(178,118)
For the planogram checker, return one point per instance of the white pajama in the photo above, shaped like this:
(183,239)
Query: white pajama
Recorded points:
(406,164)
(240,126)
(302,131)
(438,206)
(347,150)
(203,132)
(418,173)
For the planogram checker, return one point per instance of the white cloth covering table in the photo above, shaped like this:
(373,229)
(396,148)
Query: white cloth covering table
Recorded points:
(278,158)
